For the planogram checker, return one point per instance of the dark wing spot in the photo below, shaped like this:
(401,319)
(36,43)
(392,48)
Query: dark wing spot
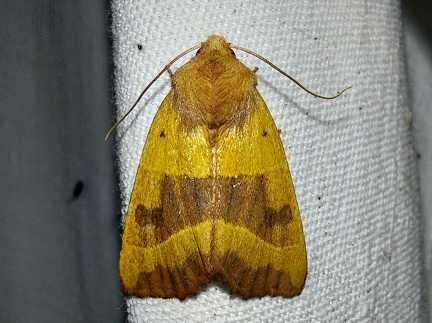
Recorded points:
(282,217)
(144,216)
(162,134)
(264,133)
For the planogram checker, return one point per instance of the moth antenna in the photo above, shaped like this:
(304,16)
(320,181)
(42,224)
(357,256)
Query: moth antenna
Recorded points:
(148,86)
(288,76)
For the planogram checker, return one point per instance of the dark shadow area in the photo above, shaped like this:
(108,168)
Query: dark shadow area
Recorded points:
(420,12)
(59,232)
(418,33)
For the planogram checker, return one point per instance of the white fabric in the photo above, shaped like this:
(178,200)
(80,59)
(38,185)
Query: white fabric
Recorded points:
(350,158)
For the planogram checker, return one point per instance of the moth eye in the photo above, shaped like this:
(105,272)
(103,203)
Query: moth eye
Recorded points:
(198,51)
(232,52)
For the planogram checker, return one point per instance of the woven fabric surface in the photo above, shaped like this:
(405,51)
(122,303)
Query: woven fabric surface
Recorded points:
(350,158)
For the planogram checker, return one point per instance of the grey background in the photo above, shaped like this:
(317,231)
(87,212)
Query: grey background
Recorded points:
(58,251)
(418,39)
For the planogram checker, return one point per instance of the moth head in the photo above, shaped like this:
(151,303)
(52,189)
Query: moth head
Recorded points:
(216,43)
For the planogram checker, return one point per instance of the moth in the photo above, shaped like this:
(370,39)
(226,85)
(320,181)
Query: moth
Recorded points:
(213,195)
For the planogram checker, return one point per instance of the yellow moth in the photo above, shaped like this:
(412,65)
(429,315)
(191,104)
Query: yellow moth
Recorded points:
(213,194)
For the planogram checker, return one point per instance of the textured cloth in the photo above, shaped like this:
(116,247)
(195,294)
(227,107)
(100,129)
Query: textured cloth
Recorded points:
(351,159)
